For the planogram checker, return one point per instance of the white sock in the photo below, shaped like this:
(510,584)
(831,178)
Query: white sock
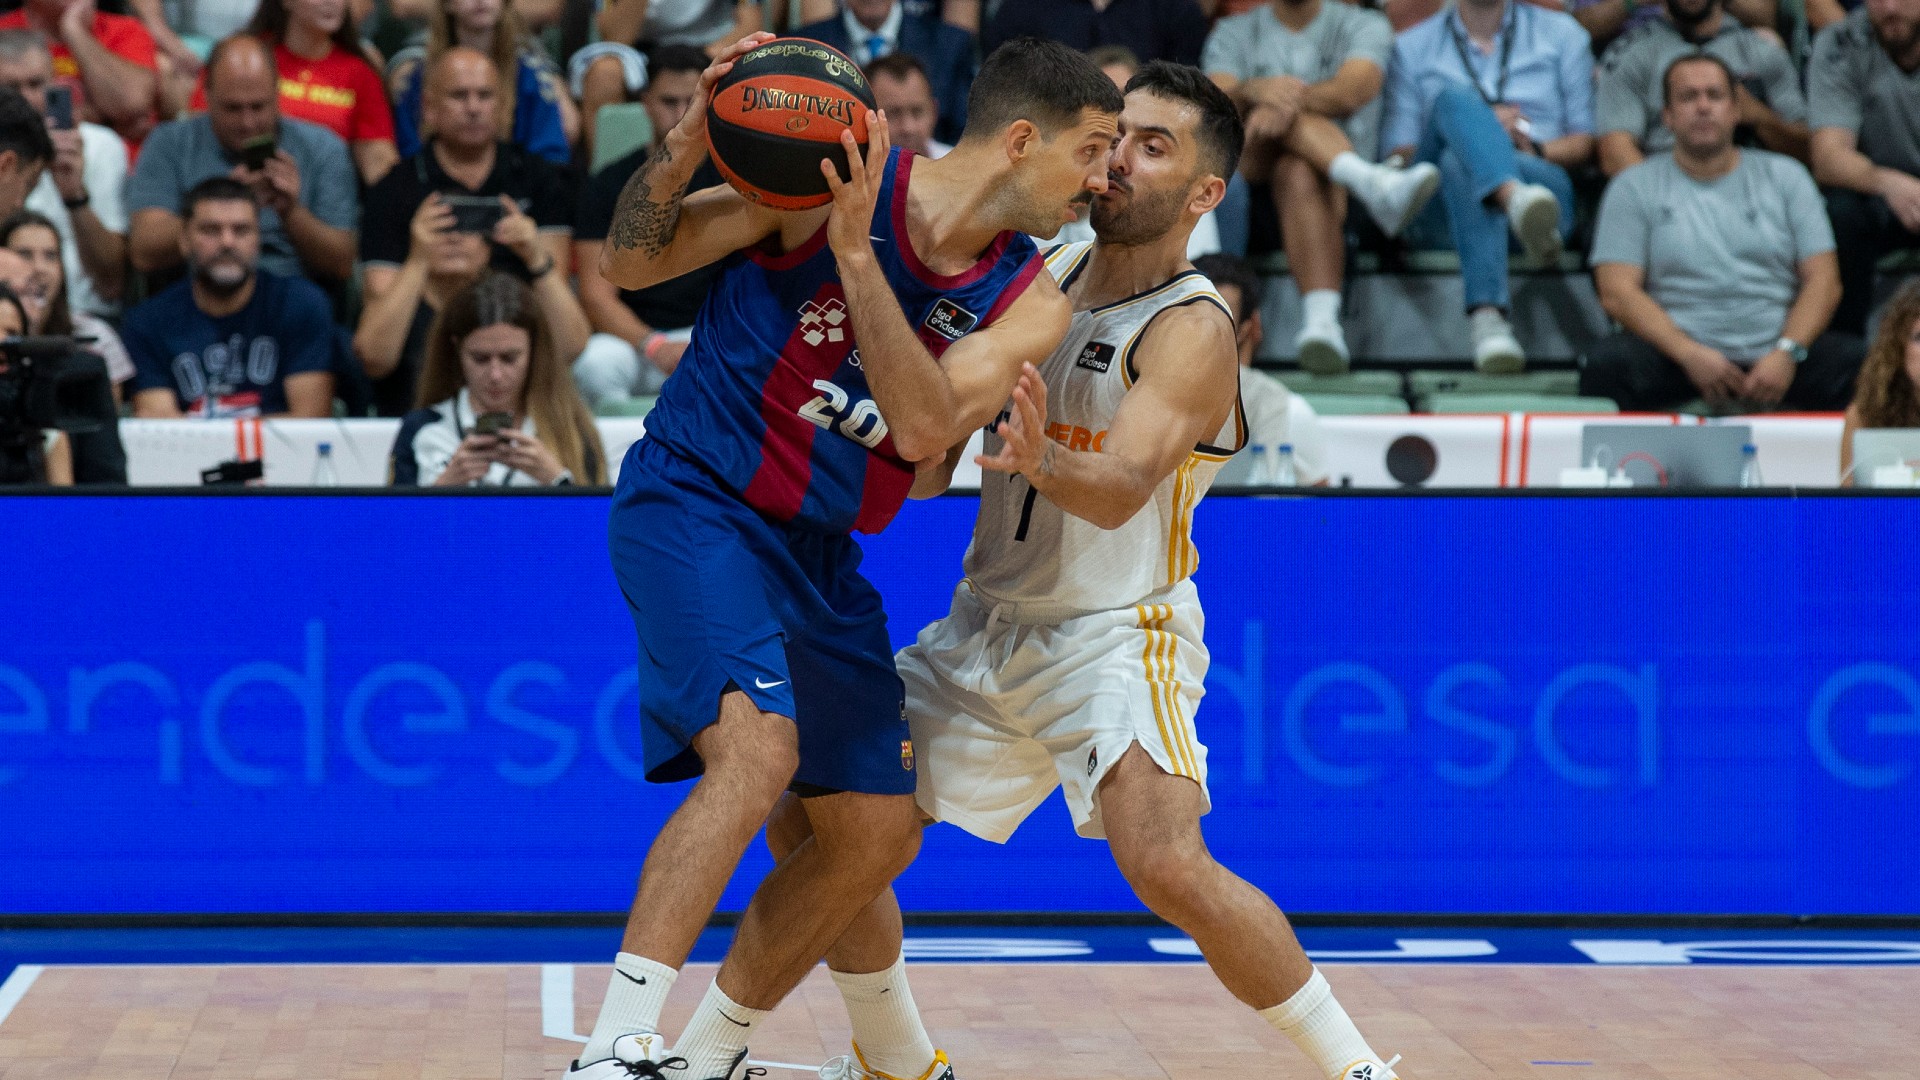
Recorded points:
(886,1024)
(1353,172)
(716,1037)
(1320,1027)
(635,995)
(1320,306)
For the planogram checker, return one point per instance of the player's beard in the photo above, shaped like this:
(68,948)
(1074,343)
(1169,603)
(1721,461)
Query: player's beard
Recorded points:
(1141,219)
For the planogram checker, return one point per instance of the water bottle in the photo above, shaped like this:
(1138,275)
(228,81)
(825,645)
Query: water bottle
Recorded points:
(323,467)
(1750,467)
(1261,474)
(1284,472)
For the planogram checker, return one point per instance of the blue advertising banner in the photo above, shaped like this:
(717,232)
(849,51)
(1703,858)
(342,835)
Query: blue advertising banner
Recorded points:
(1486,704)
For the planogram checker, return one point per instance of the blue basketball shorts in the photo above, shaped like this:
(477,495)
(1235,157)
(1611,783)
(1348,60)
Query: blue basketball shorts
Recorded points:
(723,598)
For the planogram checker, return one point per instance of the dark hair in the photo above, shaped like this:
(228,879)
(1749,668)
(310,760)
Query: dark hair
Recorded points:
(1224,269)
(1106,56)
(1222,136)
(8,296)
(665,58)
(216,189)
(59,316)
(270,24)
(1042,82)
(23,130)
(560,418)
(899,65)
(234,41)
(1694,57)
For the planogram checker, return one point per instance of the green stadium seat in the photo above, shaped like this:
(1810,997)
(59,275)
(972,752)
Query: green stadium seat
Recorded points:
(1350,382)
(1427,383)
(1357,404)
(633,406)
(1501,403)
(618,130)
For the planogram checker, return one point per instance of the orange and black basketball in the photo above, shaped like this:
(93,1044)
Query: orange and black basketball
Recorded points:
(778,113)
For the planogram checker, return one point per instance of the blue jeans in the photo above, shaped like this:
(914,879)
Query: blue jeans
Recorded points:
(1234,215)
(1475,157)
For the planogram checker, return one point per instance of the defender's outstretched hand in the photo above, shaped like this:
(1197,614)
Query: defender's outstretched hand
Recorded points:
(1024,430)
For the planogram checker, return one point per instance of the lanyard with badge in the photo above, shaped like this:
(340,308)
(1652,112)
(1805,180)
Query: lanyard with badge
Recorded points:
(1507,28)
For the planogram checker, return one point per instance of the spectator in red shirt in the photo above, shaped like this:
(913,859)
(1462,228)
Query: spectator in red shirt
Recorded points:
(325,79)
(108,60)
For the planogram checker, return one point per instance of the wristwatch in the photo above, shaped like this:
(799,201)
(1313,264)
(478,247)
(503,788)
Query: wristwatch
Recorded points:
(1793,349)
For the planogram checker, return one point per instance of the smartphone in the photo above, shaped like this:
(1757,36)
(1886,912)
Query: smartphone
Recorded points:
(257,151)
(492,423)
(60,107)
(475,213)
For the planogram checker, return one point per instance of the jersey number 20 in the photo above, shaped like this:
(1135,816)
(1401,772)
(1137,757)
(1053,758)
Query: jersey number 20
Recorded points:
(833,410)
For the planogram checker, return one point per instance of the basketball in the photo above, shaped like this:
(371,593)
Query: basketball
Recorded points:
(778,113)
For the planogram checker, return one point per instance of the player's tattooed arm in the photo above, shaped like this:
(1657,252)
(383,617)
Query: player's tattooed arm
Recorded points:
(642,220)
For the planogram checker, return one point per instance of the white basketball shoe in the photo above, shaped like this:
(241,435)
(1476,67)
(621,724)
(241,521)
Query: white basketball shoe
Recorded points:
(1367,1069)
(642,1054)
(855,1068)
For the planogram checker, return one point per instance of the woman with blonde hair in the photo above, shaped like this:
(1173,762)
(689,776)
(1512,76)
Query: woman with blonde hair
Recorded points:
(1887,391)
(498,407)
(536,111)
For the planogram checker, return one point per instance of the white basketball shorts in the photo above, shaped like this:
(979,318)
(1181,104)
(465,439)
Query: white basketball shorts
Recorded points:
(1003,711)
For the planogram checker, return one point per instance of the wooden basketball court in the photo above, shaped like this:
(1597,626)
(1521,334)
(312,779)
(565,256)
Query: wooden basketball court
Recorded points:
(999,1021)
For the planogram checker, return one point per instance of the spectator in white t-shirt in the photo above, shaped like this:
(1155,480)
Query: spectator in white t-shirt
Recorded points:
(1275,415)
(82,191)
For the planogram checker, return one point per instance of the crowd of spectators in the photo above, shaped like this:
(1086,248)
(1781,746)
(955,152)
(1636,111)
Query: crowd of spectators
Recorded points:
(289,207)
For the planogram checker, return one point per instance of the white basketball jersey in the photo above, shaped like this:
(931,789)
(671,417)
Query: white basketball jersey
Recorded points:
(1027,550)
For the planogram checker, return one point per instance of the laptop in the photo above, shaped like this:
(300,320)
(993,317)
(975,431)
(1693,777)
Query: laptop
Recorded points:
(1875,447)
(1653,455)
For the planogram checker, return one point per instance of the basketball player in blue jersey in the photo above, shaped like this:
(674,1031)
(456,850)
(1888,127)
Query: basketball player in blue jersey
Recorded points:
(1073,657)
(840,349)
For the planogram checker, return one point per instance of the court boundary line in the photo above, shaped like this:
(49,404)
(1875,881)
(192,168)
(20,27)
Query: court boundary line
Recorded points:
(16,987)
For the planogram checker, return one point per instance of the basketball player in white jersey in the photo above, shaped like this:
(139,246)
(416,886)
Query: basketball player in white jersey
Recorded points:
(1072,655)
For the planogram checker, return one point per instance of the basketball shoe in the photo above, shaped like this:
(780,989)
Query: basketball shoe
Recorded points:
(1365,1069)
(855,1068)
(640,1055)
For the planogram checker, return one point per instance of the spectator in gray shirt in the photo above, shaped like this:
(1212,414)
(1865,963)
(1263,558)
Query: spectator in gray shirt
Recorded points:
(1628,101)
(1307,74)
(1720,266)
(308,189)
(1864,105)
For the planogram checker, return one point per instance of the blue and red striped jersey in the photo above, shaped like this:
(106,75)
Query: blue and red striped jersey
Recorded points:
(770,397)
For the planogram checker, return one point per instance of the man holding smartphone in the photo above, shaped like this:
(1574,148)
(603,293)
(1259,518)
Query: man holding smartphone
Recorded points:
(82,191)
(300,173)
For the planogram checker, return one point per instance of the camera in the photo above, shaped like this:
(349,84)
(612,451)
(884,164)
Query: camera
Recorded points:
(47,382)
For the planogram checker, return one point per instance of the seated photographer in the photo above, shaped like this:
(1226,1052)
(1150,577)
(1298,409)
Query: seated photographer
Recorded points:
(300,173)
(503,408)
(447,253)
(35,239)
(232,340)
(49,458)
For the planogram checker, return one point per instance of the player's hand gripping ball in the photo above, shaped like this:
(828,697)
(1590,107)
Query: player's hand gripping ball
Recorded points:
(779,113)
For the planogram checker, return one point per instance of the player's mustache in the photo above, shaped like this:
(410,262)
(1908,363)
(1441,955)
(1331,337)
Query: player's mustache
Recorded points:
(1114,181)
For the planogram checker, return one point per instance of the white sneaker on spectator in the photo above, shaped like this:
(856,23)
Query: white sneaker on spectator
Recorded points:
(1534,215)
(1495,349)
(1322,347)
(1394,197)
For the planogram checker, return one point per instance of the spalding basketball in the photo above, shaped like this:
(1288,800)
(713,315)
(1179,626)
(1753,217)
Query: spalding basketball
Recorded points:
(779,113)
